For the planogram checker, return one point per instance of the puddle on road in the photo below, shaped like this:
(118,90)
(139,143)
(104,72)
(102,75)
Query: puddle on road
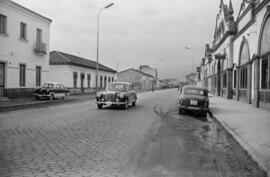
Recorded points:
(213,136)
(225,155)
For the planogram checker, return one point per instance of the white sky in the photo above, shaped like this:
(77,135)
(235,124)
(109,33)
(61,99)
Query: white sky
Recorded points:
(133,32)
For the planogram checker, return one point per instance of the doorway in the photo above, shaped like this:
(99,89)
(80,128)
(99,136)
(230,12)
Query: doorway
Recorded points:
(2,78)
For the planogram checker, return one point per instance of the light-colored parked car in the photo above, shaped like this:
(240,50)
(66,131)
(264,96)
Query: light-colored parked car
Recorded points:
(51,90)
(117,93)
(195,99)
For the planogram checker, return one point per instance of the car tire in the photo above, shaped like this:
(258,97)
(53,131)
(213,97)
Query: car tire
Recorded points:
(125,106)
(180,111)
(99,106)
(51,96)
(204,114)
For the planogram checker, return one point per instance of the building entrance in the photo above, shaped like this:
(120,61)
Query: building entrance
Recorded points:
(2,78)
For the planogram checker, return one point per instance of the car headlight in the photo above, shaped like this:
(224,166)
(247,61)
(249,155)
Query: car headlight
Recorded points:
(121,95)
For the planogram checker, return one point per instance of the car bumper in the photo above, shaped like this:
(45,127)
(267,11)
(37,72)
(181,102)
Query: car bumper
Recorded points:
(111,103)
(196,108)
(41,95)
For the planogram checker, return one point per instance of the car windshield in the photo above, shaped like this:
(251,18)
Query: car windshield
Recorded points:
(116,87)
(194,91)
(47,85)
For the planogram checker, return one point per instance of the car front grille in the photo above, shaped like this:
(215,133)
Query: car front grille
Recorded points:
(110,97)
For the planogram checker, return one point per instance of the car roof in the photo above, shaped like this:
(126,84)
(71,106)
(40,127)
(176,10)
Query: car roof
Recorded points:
(127,83)
(194,87)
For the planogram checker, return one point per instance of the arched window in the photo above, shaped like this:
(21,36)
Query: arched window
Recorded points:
(265,53)
(265,39)
(244,53)
(244,59)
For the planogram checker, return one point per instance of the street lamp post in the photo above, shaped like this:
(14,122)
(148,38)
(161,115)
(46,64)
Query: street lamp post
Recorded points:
(106,7)
(188,48)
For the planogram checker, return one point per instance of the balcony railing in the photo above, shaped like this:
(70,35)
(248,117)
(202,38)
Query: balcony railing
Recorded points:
(41,48)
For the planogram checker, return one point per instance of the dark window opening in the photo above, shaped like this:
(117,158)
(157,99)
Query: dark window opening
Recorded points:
(3,24)
(39,35)
(75,77)
(88,80)
(265,73)
(234,79)
(38,76)
(101,82)
(224,80)
(243,77)
(23,31)
(22,74)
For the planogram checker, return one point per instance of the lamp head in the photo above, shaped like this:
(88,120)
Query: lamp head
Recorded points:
(109,5)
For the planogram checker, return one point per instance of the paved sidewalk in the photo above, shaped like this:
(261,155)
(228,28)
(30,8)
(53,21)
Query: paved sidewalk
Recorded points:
(248,125)
(10,104)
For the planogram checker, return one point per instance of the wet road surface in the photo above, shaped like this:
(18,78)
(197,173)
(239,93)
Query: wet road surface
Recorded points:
(193,146)
(150,139)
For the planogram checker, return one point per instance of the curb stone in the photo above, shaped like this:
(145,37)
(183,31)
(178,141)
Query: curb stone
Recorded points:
(26,105)
(243,144)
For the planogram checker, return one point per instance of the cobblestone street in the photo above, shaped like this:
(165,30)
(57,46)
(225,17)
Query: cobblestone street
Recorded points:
(151,139)
(73,139)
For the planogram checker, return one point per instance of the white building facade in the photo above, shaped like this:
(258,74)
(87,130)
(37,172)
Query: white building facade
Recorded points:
(24,56)
(238,63)
(78,74)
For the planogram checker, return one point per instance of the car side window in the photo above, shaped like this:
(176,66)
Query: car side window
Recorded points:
(58,86)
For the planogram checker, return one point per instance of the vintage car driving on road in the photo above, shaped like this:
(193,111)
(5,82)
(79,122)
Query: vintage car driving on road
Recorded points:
(117,93)
(195,99)
(51,90)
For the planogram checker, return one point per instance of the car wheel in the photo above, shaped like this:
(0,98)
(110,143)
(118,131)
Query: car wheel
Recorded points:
(204,114)
(125,106)
(51,96)
(180,111)
(99,106)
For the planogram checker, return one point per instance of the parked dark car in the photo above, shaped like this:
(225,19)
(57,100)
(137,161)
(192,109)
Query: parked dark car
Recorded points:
(117,93)
(195,99)
(51,91)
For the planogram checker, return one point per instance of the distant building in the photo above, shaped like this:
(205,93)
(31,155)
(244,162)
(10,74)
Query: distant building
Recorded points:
(152,71)
(140,80)
(191,78)
(169,83)
(148,70)
(78,74)
(24,41)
